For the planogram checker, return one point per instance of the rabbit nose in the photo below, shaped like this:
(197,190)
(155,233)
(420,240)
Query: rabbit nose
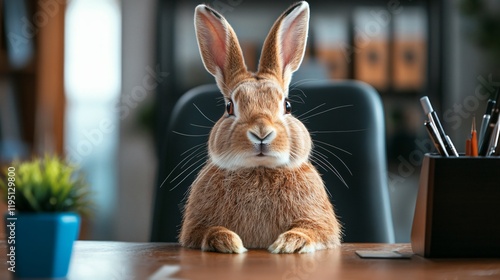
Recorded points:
(258,138)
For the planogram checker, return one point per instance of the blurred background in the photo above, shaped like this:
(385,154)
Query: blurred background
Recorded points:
(95,81)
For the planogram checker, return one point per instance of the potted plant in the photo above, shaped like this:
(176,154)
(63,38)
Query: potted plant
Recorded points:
(45,198)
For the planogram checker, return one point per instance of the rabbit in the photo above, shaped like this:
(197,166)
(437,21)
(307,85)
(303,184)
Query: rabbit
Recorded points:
(258,188)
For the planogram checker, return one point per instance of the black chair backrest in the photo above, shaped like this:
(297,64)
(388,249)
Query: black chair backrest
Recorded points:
(346,121)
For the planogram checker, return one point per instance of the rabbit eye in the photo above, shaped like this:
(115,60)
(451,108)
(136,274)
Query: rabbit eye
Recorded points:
(288,107)
(230,108)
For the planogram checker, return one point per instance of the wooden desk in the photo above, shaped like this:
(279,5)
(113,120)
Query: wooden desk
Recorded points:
(122,261)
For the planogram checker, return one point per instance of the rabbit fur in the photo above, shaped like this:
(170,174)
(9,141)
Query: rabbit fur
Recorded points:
(258,188)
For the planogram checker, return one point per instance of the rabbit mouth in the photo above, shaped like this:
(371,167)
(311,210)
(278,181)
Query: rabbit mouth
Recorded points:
(261,153)
(251,159)
(265,154)
(262,150)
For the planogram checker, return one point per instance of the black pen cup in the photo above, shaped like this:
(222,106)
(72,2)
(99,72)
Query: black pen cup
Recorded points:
(457,213)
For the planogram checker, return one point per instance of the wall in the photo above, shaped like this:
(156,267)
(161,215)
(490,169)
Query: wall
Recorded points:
(136,159)
(466,68)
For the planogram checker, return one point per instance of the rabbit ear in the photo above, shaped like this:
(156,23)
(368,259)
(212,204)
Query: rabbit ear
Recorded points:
(219,47)
(285,44)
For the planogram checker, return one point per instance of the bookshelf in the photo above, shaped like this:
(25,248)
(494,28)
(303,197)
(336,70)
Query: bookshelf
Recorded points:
(31,78)
(31,90)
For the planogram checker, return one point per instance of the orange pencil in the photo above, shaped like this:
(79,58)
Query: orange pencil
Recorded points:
(473,141)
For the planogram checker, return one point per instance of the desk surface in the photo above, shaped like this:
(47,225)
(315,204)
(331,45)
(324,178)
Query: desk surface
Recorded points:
(120,260)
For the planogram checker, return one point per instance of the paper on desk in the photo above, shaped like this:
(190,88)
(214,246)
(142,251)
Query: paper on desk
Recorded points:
(382,254)
(165,272)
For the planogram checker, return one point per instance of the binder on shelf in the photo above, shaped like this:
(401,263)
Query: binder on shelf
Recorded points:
(331,35)
(371,45)
(333,59)
(409,50)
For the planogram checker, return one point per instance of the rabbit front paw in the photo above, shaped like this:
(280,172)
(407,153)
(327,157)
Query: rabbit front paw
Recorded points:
(292,241)
(220,239)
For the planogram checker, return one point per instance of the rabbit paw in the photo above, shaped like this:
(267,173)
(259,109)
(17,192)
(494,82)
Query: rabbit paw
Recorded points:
(222,240)
(292,241)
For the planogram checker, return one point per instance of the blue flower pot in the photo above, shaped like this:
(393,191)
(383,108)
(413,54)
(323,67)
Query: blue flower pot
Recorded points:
(42,244)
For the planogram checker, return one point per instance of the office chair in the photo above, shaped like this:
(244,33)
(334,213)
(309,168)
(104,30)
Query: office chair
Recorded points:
(346,122)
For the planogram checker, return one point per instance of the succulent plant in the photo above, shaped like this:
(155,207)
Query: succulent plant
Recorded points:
(46,184)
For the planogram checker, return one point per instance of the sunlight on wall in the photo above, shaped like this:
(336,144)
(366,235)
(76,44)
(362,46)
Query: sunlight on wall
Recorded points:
(92,83)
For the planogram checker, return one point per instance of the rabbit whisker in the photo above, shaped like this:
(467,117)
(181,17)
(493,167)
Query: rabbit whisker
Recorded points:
(203,158)
(328,164)
(293,155)
(202,126)
(327,110)
(194,170)
(303,81)
(317,161)
(187,159)
(196,146)
(298,89)
(164,180)
(336,131)
(193,157)
(203,114)
(219,98)
(303,114)
(220,101)
(330,145)
(190,135)
(330,167)
(320,163)
(345,165)
(296,101)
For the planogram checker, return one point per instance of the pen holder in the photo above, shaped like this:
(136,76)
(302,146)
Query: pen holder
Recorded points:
(457,213)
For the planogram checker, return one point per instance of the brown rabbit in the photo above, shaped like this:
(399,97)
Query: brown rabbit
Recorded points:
(258,189)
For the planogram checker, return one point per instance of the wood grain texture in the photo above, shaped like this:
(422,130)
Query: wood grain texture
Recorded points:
(121,260)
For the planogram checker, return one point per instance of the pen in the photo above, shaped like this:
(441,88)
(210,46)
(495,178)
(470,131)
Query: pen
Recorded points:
(452,147)
(486,119)
(483,151)
(494,141)
(497,148)
(434,119)
(434,135)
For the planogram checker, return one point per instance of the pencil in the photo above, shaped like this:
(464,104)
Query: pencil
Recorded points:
(473,140)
